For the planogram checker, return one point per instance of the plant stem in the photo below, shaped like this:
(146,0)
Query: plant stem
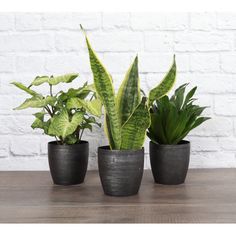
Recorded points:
(51,90)
(49,111)
(81,134)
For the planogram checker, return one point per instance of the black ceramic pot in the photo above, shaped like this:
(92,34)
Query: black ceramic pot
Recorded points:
(68,163)
(170,163)
(120,171)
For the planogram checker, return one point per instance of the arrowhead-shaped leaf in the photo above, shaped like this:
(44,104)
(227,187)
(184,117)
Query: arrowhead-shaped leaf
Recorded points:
(36,102)
(62,126)
(24,88)
(53,80)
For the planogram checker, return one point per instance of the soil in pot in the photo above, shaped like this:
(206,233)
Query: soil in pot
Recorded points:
(120,171)
(68,163)
(170,163)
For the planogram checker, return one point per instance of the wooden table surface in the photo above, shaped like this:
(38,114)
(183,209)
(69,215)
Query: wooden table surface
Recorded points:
(30,197)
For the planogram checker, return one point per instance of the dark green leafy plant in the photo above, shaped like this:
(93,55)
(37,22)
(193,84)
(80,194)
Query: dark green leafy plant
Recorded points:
(173,118)
(64,115)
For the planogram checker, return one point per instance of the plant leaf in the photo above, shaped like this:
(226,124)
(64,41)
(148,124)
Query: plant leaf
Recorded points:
(128,96)
(62,126)
(105,91)
(24,88)
(164,87)
(36,102)
(134,130)
(53,80)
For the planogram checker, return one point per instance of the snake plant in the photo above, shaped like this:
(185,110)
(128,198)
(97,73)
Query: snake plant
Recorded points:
(64,115)
(173,118)
(127,115)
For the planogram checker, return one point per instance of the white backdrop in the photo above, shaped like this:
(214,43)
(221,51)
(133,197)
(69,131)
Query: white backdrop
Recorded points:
(39,44)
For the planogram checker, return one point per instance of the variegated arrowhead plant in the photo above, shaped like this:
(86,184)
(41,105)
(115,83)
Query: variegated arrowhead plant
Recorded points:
(64,115)
(127,114)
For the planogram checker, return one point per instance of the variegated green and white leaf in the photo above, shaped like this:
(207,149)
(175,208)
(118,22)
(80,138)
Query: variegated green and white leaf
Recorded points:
(24,88)
(128,96)
(53,80)
(62,126)
(105,91)
(165,86)
(134,130)
(36,102)
(93,107)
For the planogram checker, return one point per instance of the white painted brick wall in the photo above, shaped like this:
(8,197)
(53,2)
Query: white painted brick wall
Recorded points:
(52,43)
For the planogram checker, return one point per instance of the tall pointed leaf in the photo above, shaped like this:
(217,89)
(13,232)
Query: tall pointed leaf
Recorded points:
(133,132)
(105,90)
(128,96)
(164,87)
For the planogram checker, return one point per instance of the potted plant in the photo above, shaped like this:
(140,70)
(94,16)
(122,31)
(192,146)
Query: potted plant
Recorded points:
(171,120)
(64,115)
(126,121)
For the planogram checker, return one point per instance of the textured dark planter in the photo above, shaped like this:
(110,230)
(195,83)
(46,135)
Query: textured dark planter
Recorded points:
(170,162)
(120,171)
(68,163)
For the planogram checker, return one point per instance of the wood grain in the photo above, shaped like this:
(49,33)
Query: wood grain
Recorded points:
(208,196)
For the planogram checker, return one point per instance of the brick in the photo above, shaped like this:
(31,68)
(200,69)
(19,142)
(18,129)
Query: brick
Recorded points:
(44,139)
(6,21)
(117,62)
(6,104)
(161,42)
(203,21)
(71,21)
(30,64)
(213,160)
(117,41)
(28,21)
(67,64)
(6,63)
(25,146)
(153,62)
(228,62)
(14,125)
(70,42)
(24,164)
(225,105)
(203,144)
(26,42)
(215,127)
(4,147)
(205,82)
(226,21)
(157,21)
(205,63)
(203,42)
(118,20)
(228,144)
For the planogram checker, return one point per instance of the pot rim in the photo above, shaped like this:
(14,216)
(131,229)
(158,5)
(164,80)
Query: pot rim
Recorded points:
(107,149)
(183,143)
(54,143)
